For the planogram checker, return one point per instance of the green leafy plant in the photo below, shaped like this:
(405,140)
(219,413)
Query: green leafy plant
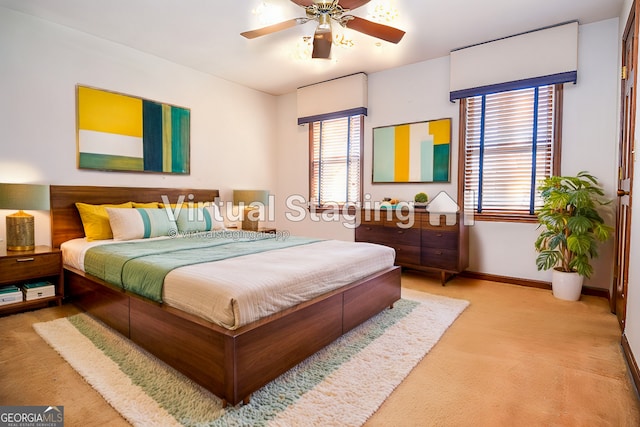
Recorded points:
(421,198)
(572,225)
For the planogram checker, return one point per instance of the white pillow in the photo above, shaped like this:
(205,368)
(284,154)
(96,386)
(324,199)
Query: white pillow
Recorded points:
(200,218)
(140,223)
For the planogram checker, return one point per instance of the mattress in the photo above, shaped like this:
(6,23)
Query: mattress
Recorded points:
(236,291)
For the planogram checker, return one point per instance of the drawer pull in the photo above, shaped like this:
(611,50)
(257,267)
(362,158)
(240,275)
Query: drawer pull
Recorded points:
(438,234)
(438,252)
(400,232)
(25,259)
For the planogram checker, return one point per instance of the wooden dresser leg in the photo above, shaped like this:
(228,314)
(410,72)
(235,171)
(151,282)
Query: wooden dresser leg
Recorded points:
(443,277)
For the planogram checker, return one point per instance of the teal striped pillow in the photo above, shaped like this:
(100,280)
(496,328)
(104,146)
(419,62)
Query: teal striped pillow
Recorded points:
(199,218)
(140,223)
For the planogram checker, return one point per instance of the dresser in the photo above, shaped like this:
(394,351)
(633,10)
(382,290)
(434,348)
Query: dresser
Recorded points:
(419,243)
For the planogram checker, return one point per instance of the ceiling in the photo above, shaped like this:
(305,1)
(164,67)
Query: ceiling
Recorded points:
(205,34)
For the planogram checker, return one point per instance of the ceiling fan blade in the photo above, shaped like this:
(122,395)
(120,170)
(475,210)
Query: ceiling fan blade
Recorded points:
(353,4)
(303,3)
(374,29)
(322,41)
(252,34)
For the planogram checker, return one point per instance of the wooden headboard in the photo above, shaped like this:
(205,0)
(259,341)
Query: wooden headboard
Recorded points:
(65,220)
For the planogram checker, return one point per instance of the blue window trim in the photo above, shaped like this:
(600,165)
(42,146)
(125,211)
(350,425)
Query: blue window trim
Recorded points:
(360,111)
(566,77)
(318,202)
(346,184)
(481,155)
(534,152)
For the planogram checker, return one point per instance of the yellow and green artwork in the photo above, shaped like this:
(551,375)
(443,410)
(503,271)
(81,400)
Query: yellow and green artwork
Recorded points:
(118,132)
(412,152)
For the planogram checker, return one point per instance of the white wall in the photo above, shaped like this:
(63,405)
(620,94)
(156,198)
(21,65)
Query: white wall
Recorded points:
(232,127)
(420,92)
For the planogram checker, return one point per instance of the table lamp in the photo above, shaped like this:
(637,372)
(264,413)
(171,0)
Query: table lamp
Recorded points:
(244,198)
(20,234)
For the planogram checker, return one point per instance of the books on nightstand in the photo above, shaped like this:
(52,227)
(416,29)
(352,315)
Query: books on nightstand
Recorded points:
(38,290)
(10,294)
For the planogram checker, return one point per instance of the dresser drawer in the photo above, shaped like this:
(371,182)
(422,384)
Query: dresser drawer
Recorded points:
(407,254)
(445,259)
(440,239)
(388,235)
(405,222)
(18,268)
(371,218)
(425,224)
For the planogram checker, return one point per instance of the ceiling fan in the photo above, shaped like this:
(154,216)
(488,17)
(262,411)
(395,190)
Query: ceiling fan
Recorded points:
(323,12)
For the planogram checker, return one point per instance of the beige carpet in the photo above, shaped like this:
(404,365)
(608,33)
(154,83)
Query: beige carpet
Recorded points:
(516,356)
(322,390)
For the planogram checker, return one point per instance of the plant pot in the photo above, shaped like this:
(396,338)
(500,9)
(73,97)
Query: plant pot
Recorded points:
(566,285)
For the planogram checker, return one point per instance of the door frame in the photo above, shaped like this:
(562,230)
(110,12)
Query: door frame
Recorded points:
(633,18)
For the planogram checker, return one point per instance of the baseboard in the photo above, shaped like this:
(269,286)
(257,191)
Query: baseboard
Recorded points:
(631,362)
(586,290)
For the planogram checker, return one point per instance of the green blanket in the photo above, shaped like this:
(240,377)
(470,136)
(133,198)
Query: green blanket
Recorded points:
(141,267)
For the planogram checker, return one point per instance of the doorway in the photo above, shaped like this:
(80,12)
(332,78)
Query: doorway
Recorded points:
(625,166)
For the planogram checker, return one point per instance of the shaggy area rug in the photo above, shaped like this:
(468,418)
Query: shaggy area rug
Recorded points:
(341,385)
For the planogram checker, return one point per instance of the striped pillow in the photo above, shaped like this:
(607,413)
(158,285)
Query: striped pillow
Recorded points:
(140,223)
(199,218)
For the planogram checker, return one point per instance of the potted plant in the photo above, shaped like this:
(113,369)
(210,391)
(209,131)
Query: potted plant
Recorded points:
(421,199)
(572,229)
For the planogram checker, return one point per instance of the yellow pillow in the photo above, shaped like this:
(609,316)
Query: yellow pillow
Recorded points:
(95,220)
(146,205)
(174,205)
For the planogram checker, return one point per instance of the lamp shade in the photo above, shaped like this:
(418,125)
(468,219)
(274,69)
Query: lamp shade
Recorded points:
(246,197)
(24,197)
(20,233)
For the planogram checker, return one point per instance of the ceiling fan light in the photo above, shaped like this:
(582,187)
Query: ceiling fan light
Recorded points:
(268,13)
(383,11)
(324,24)
(302,49)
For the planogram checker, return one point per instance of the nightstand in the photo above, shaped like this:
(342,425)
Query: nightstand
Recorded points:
(20,267)
(270,230)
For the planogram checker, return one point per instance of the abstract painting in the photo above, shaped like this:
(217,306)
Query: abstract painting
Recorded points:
(117,132)
(412,152)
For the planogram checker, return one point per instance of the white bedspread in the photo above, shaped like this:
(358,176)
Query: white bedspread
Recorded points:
(237,291)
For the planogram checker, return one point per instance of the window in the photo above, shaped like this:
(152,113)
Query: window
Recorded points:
(510,142)
(335,169)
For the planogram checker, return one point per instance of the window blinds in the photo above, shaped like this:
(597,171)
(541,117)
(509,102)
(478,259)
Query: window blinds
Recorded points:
(542,57)
(503,165)
(335,167)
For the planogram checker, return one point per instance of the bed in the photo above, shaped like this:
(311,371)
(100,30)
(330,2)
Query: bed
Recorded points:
(230,362)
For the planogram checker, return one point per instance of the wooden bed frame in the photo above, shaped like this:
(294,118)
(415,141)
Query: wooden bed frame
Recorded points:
(231,364)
